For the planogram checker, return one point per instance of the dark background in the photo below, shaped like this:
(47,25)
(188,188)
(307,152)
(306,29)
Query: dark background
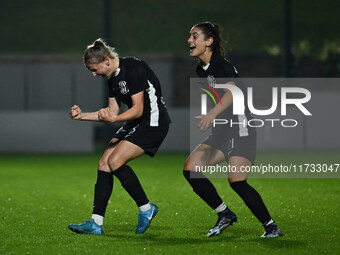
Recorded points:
(254,30)
(42,43)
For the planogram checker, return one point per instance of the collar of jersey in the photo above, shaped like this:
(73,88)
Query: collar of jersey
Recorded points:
(117,72)
(205,68)
(214,59)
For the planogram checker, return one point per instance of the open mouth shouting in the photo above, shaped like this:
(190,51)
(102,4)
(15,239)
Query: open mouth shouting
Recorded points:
(192,48)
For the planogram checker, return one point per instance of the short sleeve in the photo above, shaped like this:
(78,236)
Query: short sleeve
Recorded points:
(111,89)
(137,79)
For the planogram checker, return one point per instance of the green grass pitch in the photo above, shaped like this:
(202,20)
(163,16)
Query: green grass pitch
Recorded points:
(41,194)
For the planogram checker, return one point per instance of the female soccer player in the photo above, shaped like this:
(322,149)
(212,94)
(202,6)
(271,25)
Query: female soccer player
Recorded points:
(131,81)
(236,145)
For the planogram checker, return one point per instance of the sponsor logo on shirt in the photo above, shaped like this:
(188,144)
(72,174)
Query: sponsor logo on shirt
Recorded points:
(211,80)
(123,88)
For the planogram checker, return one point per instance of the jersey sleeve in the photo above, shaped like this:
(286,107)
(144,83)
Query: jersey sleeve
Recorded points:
(111,90)
(137,79)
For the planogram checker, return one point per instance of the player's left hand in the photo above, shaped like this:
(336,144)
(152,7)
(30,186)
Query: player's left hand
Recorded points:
(105,115)
(206,121)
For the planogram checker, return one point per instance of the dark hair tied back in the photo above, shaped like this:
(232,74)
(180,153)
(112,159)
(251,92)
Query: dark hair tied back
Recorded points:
(215,31)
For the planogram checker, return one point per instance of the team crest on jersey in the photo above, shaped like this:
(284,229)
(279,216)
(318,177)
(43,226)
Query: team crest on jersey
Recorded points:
(211,80)
(123,88)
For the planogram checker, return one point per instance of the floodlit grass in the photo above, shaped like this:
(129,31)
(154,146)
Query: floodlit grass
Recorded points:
(41,194)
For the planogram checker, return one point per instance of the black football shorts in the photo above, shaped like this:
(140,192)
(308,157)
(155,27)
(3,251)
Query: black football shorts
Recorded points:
(234,146)
(144,136)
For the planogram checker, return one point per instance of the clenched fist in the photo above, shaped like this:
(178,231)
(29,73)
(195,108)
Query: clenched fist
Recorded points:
(75,112)
(105,115)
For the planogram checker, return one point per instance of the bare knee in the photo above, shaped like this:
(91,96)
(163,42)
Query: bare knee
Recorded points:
(231,180)
(195,167)
(187,165)
(103,166)
(115,162)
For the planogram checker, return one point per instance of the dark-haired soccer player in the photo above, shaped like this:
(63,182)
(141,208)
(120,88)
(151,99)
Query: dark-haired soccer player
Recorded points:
(236,144)
(132,82)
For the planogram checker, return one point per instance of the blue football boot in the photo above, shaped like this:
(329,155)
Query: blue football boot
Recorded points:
(144,219)
(87,227)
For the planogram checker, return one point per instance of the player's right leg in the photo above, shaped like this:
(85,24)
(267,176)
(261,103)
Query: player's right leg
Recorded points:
(125,152)
(102,192)
(205,155)
(252,199)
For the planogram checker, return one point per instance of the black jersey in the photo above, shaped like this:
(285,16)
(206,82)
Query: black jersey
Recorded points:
(220,67)
(132,77)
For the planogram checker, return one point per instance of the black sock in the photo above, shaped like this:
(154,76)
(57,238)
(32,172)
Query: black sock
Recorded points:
(203,188)
(131,184)
(252,199)
(102,192)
